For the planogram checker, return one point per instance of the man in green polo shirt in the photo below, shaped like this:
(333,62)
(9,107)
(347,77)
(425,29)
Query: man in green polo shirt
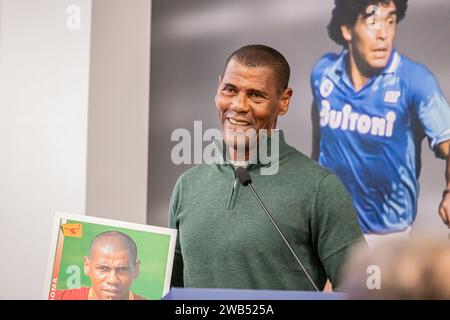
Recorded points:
(225,240)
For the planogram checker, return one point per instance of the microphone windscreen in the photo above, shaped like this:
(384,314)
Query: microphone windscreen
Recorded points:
(243,176)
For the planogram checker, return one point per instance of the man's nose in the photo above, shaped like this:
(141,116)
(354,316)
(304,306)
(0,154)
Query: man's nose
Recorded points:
(240,103)
(382,31)
(112,277)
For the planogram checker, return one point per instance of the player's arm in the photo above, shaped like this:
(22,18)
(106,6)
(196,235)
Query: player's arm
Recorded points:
(315,132)
(433,111)
(444,207)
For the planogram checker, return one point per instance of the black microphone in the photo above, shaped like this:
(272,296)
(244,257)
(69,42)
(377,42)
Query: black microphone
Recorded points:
(246,180)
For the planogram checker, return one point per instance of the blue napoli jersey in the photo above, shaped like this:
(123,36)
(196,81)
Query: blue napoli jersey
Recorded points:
(372,138)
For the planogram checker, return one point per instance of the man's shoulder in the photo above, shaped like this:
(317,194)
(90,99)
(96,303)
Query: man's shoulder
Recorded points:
(196,172)
(73,294)
(305,166)
(197,175)
(324,62)
(413,72)
(138,297)
(407,62)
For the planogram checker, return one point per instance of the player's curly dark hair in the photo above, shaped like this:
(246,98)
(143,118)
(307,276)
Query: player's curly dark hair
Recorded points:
(346,12)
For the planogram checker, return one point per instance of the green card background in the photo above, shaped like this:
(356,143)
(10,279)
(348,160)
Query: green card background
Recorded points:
(152,248)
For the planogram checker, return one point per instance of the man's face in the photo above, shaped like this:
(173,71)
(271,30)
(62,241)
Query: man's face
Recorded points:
(371,39)
(111,273)
(247,98)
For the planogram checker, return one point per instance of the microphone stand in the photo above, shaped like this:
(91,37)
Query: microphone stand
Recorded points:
(245,179)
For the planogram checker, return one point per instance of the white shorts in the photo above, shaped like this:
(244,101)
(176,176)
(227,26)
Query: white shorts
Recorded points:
(374,239)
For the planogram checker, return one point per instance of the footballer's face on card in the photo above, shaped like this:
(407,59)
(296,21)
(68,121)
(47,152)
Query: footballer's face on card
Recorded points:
(371,39)
(111,272)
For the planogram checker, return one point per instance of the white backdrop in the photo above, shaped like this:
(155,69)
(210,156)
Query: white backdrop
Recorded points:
(44,73)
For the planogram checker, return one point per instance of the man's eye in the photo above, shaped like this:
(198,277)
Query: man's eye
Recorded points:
(256,95)
(103,269)
(229,90)
(371,21)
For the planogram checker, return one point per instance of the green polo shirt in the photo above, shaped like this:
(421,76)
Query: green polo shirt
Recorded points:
(225,240)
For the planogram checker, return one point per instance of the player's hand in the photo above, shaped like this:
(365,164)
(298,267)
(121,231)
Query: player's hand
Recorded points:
(444,209)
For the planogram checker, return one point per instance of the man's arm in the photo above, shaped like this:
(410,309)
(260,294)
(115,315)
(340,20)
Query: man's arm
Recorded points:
(335,228)
(178,265)
(444,206)
(315,132)
(433,111)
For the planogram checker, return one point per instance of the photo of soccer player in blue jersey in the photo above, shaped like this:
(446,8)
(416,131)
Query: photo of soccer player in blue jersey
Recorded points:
(372,108)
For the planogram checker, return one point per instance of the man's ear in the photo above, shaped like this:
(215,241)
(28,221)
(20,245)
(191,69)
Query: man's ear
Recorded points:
(87,266)
(285,99)
(346,33)
(137,269)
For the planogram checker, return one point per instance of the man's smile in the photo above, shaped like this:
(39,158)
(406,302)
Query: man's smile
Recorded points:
(240,123)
